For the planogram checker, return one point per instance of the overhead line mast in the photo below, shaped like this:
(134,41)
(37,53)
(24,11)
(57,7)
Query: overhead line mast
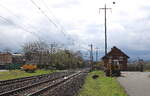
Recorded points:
(105,13)
(91,55)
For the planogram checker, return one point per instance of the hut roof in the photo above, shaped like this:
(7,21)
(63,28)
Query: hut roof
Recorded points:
(113,51)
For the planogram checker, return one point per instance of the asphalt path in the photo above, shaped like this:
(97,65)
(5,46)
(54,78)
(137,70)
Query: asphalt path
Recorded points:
(3,70)
(136,83)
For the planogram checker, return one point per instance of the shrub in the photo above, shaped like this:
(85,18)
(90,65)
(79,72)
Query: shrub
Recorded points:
(29,67)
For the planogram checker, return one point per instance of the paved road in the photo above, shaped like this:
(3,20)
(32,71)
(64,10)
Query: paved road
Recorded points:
(136,83)
(3,70)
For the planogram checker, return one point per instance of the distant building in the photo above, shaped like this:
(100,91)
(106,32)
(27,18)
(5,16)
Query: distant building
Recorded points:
(116,56)
(5,59)
(18,59)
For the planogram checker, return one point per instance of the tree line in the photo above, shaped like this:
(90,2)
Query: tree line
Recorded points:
(51,56)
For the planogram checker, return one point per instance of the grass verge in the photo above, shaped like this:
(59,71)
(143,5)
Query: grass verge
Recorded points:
(18,74)
(102,86)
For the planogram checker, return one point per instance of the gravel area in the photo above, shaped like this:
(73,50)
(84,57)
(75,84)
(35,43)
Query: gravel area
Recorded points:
(136,83)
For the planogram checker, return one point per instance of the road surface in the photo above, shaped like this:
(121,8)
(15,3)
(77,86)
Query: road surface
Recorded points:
(136,83)
(3,70)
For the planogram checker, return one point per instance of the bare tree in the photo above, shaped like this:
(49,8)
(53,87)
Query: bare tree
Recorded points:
(36,53)
(41,54)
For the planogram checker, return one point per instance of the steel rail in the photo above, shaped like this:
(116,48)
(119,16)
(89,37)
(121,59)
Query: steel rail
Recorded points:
(55,84)
(19,90)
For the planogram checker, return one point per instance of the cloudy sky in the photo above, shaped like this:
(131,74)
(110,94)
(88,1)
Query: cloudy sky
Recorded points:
(77,23)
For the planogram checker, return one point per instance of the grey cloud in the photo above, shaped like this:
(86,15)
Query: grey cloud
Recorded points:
(67,3)
(134,34)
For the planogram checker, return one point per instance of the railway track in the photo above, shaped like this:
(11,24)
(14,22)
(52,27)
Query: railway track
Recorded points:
(44,86)
(9,85)
(66,85)
(6,82)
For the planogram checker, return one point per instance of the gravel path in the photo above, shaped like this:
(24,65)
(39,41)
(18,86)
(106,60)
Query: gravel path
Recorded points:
(136,83)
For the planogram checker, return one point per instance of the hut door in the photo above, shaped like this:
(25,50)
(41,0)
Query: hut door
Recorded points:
(116,64)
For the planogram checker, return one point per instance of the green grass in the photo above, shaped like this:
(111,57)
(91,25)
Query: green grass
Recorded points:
(148,70)
(102,86)
(18,73)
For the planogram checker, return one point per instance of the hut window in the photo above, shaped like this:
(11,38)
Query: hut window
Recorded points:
(110,57)
(116,62)
(121,58)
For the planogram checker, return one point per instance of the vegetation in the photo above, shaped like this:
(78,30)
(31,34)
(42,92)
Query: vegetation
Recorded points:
(101,86)
(45,56)
(65,59)
(147,66)
(29,67)
(18,74)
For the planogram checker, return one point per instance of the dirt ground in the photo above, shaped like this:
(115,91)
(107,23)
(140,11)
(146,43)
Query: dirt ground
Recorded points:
(136,83)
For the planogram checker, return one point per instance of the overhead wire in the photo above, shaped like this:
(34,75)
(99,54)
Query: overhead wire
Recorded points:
(20,27)
(24,29)
(62,29)
(58,23)
(46,6)
(50,20)
(13,14)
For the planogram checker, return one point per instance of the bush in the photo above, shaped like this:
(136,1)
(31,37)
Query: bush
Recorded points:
(29,67)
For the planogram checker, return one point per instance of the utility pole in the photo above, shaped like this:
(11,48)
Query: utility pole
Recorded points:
(105,13)
(51,53)
(96,54)
(91,55)
(52,50)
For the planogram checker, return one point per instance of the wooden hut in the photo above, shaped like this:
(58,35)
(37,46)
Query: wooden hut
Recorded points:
(116,56)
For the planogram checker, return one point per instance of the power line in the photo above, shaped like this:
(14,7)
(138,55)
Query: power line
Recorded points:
(9,10)
(39,8)
(49,10)
(50,20)
(24,29)
(13,14)
(46,6)
(62,28)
